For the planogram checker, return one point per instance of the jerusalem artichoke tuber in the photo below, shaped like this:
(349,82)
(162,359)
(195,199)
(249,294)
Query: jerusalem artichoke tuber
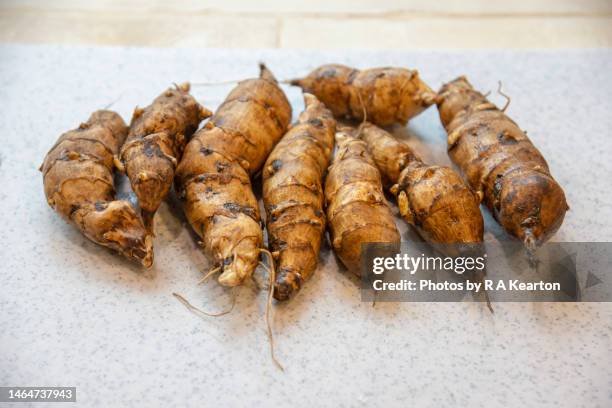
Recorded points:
(501,164)
(433,199)
(386,95)
(213,177)
(293,196)
(78,181)
(357,210)
(157,137)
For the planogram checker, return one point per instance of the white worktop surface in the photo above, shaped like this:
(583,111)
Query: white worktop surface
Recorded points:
(74,314)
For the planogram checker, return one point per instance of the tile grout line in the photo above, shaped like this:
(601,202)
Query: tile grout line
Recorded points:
(384,15)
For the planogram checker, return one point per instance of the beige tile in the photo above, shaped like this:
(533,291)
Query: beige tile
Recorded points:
(355,7)
(108,28)
(388,24)
(447,33)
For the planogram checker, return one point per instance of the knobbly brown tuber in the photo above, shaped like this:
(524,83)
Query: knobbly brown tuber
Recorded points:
(501,164)
(78,182)
(433,199)
(155,143)
(213,177)
(357,210)
(293,196)
(387,95)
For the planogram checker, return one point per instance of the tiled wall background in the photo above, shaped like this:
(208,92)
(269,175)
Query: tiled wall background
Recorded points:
(374,24)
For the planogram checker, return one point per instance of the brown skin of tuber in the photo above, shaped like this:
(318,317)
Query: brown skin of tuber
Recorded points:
(293,196)
(78,182)
(213,177)
(433,199)
(388,95)
(357,211)
(155,143)
(501,164)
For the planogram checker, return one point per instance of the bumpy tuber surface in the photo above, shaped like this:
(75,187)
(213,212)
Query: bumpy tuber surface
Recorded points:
(501,164)
(388,95)
(357,210)
(157,137)
(78,181)
(213,177)
(433,199)
(293,196)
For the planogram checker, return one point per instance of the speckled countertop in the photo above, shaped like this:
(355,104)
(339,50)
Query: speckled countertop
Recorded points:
(73,314)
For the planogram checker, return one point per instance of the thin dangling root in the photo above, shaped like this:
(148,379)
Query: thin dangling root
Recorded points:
(209,274)
(530,242)
(218,83)
(198,311)
(365,115)
(108,106)
(488,300)
(508,99)
(480,278)
(272,273)
(215,270)
(530,247)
